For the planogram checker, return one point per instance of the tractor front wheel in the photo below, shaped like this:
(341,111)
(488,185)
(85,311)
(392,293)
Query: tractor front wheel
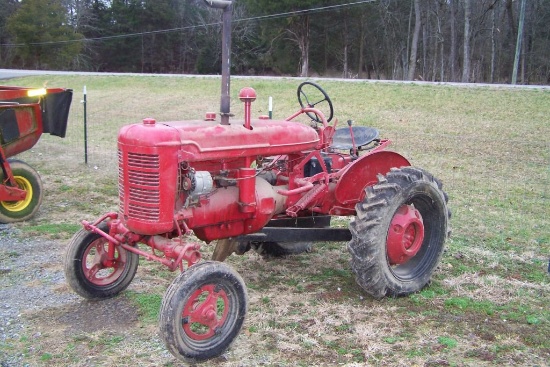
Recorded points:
(203,311)
(26,179)
(399,233)
(91,272)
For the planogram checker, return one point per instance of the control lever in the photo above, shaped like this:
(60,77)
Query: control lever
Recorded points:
(354,149)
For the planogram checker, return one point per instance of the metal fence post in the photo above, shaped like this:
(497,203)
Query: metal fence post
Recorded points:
(85,128)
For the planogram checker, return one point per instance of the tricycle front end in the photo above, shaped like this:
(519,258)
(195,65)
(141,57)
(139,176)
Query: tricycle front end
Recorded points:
(257,183)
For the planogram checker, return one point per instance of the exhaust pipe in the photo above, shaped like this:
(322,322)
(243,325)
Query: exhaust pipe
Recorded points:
(225,102)
(218,4)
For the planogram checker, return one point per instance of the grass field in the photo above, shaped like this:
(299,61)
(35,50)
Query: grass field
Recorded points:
(488,304)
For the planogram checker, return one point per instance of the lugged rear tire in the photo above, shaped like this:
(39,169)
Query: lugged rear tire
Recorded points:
(405,189)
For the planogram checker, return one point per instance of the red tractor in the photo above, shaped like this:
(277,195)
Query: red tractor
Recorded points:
(25,114)
(257,182)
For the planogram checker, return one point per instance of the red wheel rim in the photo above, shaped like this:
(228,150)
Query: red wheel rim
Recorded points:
(205,311)
(405,235)
(98,268)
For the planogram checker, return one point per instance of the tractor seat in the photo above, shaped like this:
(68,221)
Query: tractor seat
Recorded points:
(362,135)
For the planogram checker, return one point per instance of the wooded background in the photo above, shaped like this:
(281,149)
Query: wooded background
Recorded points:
(491,41)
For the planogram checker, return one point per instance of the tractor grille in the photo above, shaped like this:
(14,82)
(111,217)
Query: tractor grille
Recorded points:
(120,181)
(143,180)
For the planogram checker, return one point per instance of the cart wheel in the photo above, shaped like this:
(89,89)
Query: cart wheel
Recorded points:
(27,179)
(203,311)
(399,233)
(88,270)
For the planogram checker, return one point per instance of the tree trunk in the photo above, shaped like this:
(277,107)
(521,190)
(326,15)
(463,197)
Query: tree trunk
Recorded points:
(362,40)
(493,46)
(426,52)
(305,59)
(454,42)
(510,12)
(304,48)
(518,43)
(326,54)
(439,46)
(434,58)
(466,64)
(442,71)
(345,58)
(408,49)
(414,45)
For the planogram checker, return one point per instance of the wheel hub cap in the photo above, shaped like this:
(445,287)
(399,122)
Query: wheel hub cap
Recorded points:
(405,235)
(205,312)
(17,206)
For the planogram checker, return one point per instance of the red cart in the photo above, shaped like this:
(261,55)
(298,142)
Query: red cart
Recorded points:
(25,114)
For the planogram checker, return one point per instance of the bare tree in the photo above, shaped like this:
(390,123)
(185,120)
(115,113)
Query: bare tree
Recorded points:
(467,35)
(518,43)
(493,45)
(362,41)
(300,35)
(345,61)
(414,45)
(454,42)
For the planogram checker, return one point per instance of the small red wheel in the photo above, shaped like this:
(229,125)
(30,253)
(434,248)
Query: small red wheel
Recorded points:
(203,311)
(91,272)
(97,267)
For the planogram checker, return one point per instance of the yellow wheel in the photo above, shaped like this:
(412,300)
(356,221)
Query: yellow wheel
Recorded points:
(26,179)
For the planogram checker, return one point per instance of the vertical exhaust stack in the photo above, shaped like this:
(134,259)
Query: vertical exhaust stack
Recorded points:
(227,7)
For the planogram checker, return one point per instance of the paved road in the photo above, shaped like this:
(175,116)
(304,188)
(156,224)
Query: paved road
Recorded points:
(13,73)
(8,74)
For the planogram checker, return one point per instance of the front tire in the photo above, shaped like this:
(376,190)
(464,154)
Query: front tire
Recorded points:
(399,233)
(88,270)
(26,179)
(202,311)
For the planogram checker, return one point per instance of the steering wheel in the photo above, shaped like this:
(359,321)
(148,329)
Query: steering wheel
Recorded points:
(316,93)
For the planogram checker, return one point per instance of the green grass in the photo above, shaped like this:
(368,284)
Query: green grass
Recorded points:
(487,303)
(148,305)
(53,230)
(463,304)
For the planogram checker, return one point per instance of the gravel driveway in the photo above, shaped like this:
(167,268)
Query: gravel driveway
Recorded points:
(34,297)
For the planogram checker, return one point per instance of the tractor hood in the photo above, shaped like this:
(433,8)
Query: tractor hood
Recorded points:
(207,140)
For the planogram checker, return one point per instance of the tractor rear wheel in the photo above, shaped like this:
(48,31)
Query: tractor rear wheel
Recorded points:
(399,233)
(90,272)
(202,311)
(26,179)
